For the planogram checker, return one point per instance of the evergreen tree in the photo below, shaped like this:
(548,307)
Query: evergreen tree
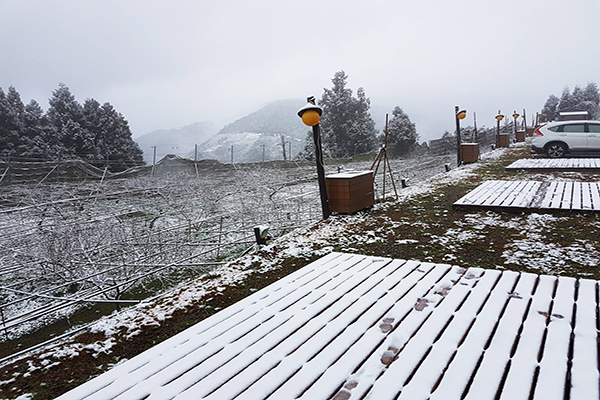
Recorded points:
(566,101)
(591,100)
(550,109)
(65,116)
(95,127)
(402,133)
(587,99)
(111,136)
(591,93)
(37,138)
(346,125)
(11,125)
(93,132)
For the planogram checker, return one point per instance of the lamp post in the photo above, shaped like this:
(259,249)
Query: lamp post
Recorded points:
(153,159)
(458,115)
(515,116)
(311,115)
(499,118)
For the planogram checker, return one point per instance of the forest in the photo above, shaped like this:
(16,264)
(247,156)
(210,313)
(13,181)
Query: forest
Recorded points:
(92,132)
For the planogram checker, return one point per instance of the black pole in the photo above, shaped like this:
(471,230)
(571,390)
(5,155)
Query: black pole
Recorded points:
(458,149)
(321,171)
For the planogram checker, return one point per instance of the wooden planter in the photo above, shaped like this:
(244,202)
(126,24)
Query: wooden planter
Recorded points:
(503,140)
(470,152)
(520,136)
(349,192)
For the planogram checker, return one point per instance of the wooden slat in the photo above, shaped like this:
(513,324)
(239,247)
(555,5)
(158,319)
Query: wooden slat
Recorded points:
(555,164)
(584,377)
(359,327)
(555,353)
(534,195)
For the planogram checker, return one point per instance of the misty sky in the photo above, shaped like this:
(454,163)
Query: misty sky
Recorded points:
(167,64)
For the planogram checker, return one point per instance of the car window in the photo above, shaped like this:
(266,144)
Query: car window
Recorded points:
(594,128)
(574,128)
(554,128)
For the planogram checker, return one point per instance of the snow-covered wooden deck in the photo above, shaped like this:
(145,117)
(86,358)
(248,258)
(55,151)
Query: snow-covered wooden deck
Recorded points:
(534,196)
(352,327)
(555,164)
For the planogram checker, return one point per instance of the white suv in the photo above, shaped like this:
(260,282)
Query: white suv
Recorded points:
(556,139)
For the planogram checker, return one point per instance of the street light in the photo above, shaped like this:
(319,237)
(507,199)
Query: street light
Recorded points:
(458,116)
(311,115)
(515,116)
(499,118)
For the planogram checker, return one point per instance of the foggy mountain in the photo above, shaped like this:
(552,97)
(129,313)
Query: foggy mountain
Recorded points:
(180,141)
(258,136)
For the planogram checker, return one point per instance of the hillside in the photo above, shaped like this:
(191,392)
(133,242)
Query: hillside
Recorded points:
(180,141)
(278,117)
(258,136)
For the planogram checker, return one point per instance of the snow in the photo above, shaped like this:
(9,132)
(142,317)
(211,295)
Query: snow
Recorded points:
(349,174)
(449,286)
(375,328)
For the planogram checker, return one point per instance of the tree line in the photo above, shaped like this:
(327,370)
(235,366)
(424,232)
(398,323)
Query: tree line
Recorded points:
(586,99)
(347,127)
(93,132)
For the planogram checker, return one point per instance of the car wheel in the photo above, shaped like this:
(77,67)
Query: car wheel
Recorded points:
(556,150)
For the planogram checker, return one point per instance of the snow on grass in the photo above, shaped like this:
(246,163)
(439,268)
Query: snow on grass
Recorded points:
(319,239)
(549,257)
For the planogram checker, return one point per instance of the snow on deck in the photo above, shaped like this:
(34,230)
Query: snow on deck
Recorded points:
(353,326)
(534,196)
(556,164)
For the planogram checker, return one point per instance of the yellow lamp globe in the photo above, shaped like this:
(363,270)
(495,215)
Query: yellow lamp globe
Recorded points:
(499,117)
(461,114)
(311,117)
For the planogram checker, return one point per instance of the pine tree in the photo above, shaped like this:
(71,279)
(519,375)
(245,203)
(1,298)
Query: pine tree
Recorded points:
(94,126)
(346,125)
(591,100)
(65,116)
(402,133)
(37,136)
(566,101)
(587,99)
(118,145)
(11,122)
(550,109)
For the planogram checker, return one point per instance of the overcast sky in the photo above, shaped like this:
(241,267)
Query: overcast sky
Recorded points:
(167,64)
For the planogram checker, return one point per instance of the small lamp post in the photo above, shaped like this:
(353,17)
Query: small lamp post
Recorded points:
(458,116)
(515,116)
(311,115)
(499,118)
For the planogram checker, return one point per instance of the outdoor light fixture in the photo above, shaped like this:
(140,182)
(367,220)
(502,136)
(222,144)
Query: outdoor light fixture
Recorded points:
(311,115)
(499,118)
(515,116)
(458,116)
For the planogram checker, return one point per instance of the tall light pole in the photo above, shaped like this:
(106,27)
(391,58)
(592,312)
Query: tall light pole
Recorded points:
(499,118)
(311,115)
(515,116)
(458,115)
(153,159)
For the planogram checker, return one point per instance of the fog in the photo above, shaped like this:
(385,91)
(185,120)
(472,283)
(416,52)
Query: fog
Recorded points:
(169,64)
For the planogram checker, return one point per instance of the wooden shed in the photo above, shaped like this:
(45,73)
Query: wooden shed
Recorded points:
(349,192)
